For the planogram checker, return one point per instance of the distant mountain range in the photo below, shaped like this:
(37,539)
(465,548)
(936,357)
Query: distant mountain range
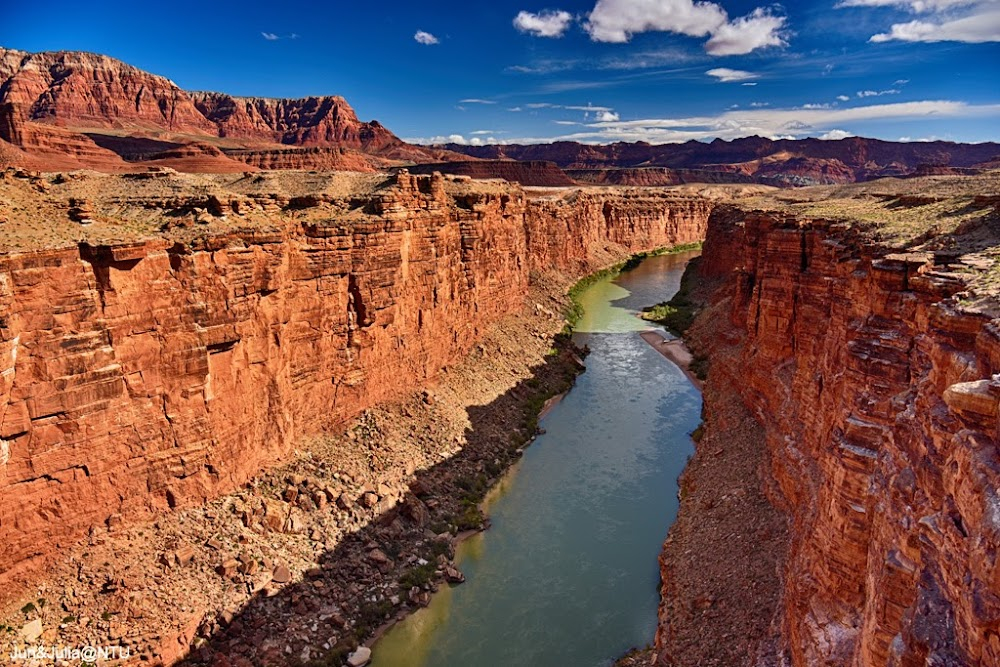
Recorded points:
(784,162)
(69,110)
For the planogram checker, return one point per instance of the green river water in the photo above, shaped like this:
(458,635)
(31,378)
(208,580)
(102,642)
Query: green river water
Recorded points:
(568,575)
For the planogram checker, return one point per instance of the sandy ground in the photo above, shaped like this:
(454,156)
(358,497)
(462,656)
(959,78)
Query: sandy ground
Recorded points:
(676,351)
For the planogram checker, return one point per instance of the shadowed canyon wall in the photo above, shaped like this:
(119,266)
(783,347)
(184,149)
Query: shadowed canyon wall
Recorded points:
(144,376)
(880,409)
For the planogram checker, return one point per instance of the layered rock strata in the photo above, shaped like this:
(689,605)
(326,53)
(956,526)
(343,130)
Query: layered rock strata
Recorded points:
(875,388)
(145,375)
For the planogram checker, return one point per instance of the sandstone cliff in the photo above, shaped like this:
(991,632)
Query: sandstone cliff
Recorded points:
(868,355)
(165,368)
(68,109)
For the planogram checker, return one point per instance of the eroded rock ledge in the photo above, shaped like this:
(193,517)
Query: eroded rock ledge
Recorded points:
(870,365)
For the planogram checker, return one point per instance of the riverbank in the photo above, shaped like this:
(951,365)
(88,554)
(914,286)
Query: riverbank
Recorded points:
(720,563)
(569,567)
(310,558)
(676,351)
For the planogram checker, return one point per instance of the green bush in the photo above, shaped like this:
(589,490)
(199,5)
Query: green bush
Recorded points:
(417,576)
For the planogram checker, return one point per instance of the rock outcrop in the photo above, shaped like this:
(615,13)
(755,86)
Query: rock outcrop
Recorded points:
(537,173)
(878,396)
(68,109)
(144,375)
(311,121)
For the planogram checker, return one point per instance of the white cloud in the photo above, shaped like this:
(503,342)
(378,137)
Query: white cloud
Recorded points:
(843,98)
(514,109)
(877,93)
(618,20)
(606,117)
(752,83)
(833,135)
(588,107)
(453,139)
(726,75)
(919,6)
(475,100)
(270,36)
(815,106)
(754,31)
(971,21)
(979,27)
(566,122)
(425,38)
(544,24)
(759,105)
(773,123)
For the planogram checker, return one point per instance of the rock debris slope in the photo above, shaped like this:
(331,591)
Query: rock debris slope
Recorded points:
(859,326)
(179,344)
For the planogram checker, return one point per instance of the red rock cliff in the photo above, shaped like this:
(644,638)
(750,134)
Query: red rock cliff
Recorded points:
(878,399)
(139,377)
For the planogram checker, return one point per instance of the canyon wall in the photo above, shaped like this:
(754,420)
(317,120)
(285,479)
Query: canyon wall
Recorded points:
(143,376)
(877,396)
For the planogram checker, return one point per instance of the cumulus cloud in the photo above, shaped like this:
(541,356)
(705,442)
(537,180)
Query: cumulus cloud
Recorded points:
(544,24)
(833,135)
(843,98)
(606,117)
(270,36)
(618,20)
(971,21)
(726,75)
(754,31)
(453,139)
(425,38)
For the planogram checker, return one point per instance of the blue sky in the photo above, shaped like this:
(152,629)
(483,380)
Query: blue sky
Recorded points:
(589,70)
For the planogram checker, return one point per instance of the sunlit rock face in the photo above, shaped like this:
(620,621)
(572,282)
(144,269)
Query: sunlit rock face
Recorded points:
(137,377)
(877,396)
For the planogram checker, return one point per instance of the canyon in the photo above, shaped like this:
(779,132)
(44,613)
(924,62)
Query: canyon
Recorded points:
(161,369)
(856,353)
(238,340)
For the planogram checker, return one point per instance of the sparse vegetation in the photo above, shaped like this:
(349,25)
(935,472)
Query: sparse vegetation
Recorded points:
(574,311)
(417,576)
(678,313)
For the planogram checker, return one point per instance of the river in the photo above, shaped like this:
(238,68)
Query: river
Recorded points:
(568,574)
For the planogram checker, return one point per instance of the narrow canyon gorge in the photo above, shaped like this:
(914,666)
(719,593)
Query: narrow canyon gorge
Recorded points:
(165,351)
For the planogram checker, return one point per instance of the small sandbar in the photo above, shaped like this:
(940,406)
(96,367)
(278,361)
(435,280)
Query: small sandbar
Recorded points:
(674,350)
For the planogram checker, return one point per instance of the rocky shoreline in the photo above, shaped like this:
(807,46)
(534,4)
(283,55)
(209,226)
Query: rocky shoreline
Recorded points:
(720,562)
(311,559)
